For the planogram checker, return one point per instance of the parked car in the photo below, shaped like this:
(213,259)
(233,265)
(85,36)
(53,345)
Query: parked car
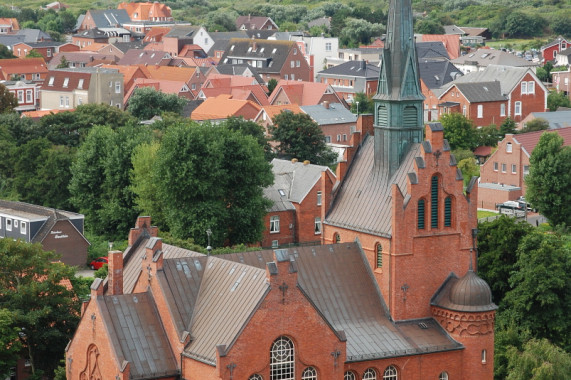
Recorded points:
(98,263)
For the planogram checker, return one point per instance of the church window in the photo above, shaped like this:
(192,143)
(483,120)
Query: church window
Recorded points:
(448,212)
(434,202)
(309,374)
(390,373)
(379,255)
(410,116)
(282,360)
(256,377)
(382,115)
(349,376)
(421,214)
(370,374)
(443,376)
(336,238)
(484,354)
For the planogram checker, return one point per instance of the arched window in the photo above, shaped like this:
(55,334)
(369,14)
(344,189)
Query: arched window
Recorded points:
(421,212)
(336,238)
(447,212)
(434,202)
(349,376)
(379,251)
(484,356)
(282,360)
(390,373)
(443,376)
(309,374)
(370,374)
(255,377)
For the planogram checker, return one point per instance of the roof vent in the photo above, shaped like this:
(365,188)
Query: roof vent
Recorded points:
(423,325)
(294,160)
(306,162)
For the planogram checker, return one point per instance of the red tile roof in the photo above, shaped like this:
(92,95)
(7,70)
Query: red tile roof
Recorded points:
(451,42)
(11,66)
(301,93)
(529,140)
(254,93)
(224,106)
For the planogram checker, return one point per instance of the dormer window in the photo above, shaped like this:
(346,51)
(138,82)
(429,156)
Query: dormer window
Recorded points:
(509,147)
(274,51)
(66,82)
(80,84)
(51,81)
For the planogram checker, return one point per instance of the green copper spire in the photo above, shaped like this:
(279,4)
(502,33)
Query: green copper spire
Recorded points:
(398,102)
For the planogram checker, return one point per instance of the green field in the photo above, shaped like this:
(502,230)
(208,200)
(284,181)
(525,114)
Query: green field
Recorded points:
(485,214)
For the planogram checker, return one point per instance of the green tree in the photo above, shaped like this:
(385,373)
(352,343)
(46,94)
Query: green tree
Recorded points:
(250,128)
(557,99)
(34,54)
(539,360)
(45,311)
(428,26)
(63,63)
(549,179)
(538,124)
(298,136)
(507,336)
(147,102)
(272,83)
(487,136)
(5,52)
(366,104)
(560,24)
(519,24)
(508,127)
(10,345)
(539,300)
(201,181)
(498,241)
(221,21)
(469,169)
(7,100)
(358,32)
(459,131)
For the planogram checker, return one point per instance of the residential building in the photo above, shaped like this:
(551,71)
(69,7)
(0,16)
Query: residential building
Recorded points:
(179,36)
(69,88)
(34,69)
(83,58)
(224,106)
(147,11)
(556,120)
(8,25)
(563,58)
(26,92)
(451,42)
(103,19)
(272,59)
(350,78)
(300,196)
(48,49)
(255,22)
(56,230)
(482,58)
(266,115)
(335,121)
(550,50)
(317,50)
(502,176)
(303,93)
(435,74)
(371,54)
(88,37)
(145,57)
(56,6)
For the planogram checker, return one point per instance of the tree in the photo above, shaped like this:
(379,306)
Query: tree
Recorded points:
(210,177)
(272,83)
(221,21)
(539,300)
(469,169)
(539,360)
(519,24)
(44,309)
(147,102)
(429,26)
(459,131)
(498,241)
(10,345)
(34,54)
(366,104)
(358,32)
(487,136)
(557,99)
(7,100)
(560,24)
(508,126)
(250,128)
(63,63)
(549,179)
(538,124)
(298,136)
(5,52)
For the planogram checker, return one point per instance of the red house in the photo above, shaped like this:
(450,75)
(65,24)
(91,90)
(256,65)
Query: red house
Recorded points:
(27,93)
(550,51)
(48,49)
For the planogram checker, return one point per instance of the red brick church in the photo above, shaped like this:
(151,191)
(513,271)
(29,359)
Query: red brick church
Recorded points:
(391,293)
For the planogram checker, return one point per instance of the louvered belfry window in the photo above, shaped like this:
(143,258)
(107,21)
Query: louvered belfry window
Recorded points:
(434,202)
(421,211)
(447,212)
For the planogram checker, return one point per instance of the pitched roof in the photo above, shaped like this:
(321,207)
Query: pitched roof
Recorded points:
(225,80)
(431,50)
(301,93)
(556,120)
(94,33)
(105,18)
(222,107)
(156,34)
(508,77)
(182,31)
(451,42)
(529,140)
(58,80)
(240,70)
(479,92)
(171,73)
(359,69)
(437,73)
(85,57)
(253,22)
(297,178)
(273,110)
(146,11)
(33,35)
(486,57)
(138,57)
(10,66)
(254,93)
(334,113)
(273,52)
(8,21)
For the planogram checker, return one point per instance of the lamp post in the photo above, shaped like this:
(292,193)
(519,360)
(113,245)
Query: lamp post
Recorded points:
(209,248)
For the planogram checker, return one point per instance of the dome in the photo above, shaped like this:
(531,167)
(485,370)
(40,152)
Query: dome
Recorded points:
(471,290)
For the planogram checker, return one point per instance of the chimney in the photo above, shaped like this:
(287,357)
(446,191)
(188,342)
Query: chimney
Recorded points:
(306,162)
(115,273)
(326,104)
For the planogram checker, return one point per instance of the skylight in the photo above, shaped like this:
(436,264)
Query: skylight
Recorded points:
(282,193)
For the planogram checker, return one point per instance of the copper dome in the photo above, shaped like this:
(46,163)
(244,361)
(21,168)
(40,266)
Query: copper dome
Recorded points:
(471,290)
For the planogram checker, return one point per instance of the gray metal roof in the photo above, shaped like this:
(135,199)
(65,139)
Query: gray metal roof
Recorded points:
(486,57)
(509,77)
(339,283)
(497,186)
(363,202)
(335,114)
(297,176)
(353,69)
(138,335)
(104,18)
(431,50)
(436,73)
(183,31)
(556,120)
(33,35)
(479,92)
(274,52)
(282,182)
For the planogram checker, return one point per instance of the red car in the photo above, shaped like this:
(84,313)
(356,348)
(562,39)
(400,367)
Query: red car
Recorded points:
(98,263)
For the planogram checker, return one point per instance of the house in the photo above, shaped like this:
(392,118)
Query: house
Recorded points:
(563,57)
(8,25)
(272,59)
(56,6)
(469,36)
(256,23)
(266,115)
(336,121)
(170,87)
(435,74)
(416,310)
(517,88)
(351,78)
(103,19)
(300,196)
(48,49)
(26,92)
(147,11)
(145,57)
(482,58)
(69,88)
(240,87)
(179,36)
(57,230)
(371,54)
(87,37)
(34,69)
(556,120)
(221,41)
(303,93)
(224,106)
(83,58)
(550,50)
(502,176)
(451,43)
(317,50)
(320,22)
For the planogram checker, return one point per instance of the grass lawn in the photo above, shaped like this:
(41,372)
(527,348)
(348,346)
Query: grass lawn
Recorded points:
(516,44)
(485,214)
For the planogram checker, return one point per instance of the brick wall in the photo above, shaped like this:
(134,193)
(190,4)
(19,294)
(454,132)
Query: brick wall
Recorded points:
(536,102)
(286,235)
(68,242)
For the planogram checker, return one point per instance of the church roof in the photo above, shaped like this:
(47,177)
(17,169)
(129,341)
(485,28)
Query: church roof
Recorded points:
(363,202)
(469,294)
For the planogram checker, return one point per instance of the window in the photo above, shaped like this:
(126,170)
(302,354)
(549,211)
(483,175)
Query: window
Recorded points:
(117,87)
(297,63)
(480,111)
(531,87)
(390,373)
(523,88)
(517,108)
(504,168)
(61,102)
(448,212)
(349,376)
(443,376)
(327,139)
(23,228)
(344,137)
(514,168)
(67,102)
(525,170)
(509,147)
(51,81)
(274,224)
(317,226)
(292,64)
(484,354)
(338,138)
(502,109)
(79,101)
(49,52)
(16,224)
(20,96)
(282,360)
(292,76)
(8,224)
(29,96)
(309,374)
(66,82)
(464,110)
(319,198)
(420,215)
(379,251)
(336,238)
(495,166)
(370,374)
(285,76)
(328,46)
(434,202)
(294,51)
(275,243)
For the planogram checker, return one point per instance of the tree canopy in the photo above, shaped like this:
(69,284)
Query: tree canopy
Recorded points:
(7,100)
(557,99)
(549,179)
(459,131)
(539,360)
(147,102)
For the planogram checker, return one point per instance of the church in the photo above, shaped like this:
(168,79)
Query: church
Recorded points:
(391,293)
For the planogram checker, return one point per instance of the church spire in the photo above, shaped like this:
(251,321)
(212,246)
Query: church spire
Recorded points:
(398,102)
